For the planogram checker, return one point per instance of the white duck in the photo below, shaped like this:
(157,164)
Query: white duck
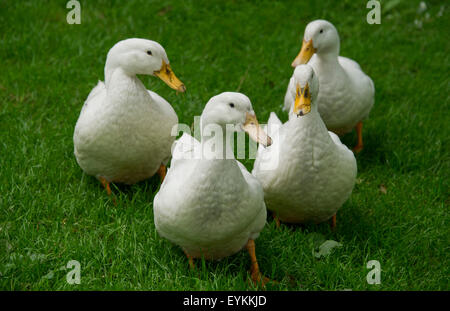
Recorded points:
(346,93)
(307,173)
(123,133)
(209,204)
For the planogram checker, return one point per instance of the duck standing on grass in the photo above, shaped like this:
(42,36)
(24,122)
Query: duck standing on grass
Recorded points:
(123,133)
(209,204)
(346,93)
(315,172)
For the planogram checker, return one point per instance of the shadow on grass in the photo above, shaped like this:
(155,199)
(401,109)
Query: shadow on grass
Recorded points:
(351,221)
(127,193)
(355,224)
(323,227)
(375,150)
(234,269)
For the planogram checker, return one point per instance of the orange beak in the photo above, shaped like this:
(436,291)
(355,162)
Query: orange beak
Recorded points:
(251,126)
(166,74)
(306,52)
(302,104)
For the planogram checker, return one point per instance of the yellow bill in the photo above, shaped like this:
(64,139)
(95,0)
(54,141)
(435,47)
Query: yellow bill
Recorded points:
(302,103)
(251,126)
(306,52)
(166,74)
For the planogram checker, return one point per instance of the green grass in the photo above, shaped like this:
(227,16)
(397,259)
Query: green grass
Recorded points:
(52,213)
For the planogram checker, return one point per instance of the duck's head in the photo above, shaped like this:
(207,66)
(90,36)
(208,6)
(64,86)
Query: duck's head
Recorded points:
(306,89)
(141,56)
(320,37)
(234,110)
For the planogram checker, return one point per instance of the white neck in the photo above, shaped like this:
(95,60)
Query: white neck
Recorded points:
(217,162)
(312,122)
(114,72)
(217,142)
(326,62)
(329,52)
(124,88)
(313,110)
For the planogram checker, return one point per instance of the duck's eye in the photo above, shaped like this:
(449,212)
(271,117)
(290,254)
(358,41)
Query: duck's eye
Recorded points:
(321,31)
(149,52)
(231,105)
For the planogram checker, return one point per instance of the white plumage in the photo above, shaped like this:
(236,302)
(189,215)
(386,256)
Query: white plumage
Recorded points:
(210,207)
(123,133)
(346,93)
(307,173)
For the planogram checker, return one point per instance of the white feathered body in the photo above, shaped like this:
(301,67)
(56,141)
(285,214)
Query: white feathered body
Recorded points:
(210,208)
(346,93)
(123,133)
(312,173)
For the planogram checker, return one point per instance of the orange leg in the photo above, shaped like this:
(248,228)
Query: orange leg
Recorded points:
(277,220)
(359,146)
(333,222)
(162,172)
(191,261)
(256,275)
(105,185)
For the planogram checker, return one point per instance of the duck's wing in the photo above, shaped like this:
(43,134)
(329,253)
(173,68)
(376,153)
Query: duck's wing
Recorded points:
(251,180)
(164,107)
(185,148)
(248,177)
(348,63)
(271,128)
(255,200)
(347,169)
(90,112)
(344,149)
(95,97)
(354,71)
(273,124)
(362,83)
(335,138)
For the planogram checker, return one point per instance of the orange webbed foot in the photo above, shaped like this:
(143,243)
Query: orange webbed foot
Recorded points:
(105,185)
(255,274)
(359,146)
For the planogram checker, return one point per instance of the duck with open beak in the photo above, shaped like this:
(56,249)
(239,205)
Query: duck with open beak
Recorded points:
(168,76)
(302,105)
(254,130)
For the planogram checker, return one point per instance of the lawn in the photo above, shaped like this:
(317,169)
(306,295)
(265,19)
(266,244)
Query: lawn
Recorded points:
(52,213)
